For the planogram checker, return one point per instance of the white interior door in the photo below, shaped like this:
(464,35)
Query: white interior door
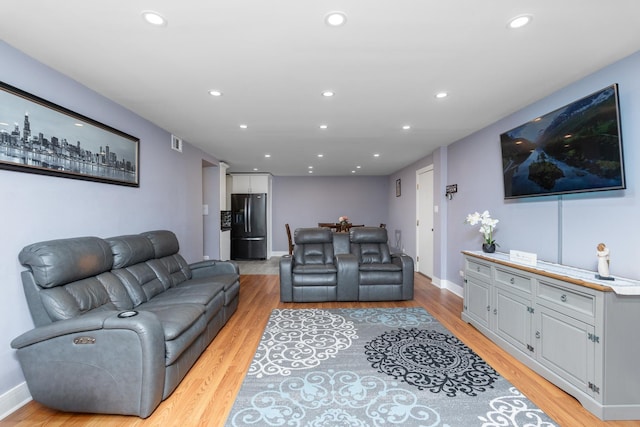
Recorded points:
(424,223)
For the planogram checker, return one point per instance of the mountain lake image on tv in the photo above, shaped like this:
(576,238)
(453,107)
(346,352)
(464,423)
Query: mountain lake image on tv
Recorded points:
(576,148)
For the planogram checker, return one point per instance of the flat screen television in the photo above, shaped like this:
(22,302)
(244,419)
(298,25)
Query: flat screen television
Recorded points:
(574,149)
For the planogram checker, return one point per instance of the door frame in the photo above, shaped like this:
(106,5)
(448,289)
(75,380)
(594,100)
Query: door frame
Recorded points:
(429,168)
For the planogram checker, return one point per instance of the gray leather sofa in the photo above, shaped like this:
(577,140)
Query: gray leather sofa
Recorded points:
(354,266)
(119,321)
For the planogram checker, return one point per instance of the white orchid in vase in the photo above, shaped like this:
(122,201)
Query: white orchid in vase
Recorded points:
(487,225)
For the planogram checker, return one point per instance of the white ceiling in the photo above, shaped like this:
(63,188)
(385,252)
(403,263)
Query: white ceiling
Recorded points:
(272,60)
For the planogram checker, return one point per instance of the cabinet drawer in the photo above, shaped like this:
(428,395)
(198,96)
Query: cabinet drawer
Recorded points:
(512,280)
(478,269)
(567,298)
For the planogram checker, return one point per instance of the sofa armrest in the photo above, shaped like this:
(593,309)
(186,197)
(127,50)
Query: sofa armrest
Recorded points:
(286,278)
(210,268)
(97,363)
(348,277)
(406,263)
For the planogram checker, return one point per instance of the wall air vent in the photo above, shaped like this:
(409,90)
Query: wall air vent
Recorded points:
(176,143)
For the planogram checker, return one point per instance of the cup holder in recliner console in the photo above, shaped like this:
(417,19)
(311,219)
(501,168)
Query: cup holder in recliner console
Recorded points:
(128,313)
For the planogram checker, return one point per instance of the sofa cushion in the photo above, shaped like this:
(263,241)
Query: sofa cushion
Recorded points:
(130,250)
(61,261)
(182,324)
(76,298)
(141,282)
(164,242)
(173,267)
(313,246)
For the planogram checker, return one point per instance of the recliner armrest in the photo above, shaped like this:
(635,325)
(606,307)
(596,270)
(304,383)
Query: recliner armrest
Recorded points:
(348,281)
(213,268)
(96,363)
(286,278)
(406,262)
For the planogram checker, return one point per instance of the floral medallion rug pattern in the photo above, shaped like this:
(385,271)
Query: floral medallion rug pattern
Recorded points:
(373,367)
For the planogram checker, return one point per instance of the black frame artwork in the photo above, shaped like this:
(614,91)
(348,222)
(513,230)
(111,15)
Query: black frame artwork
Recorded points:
(38,136)
(398,187)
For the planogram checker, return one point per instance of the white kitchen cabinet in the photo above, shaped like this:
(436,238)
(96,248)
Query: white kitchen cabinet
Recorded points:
(576,332)
(250,183)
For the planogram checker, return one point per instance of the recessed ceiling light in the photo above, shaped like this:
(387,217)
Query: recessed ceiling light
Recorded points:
(255,169)
(519,21)
(267,155)
(441,95)
(353,171)
(215,92)
(154,18)
(358,167)
(328,93)
(376,155)
(335,19)
(310,171)
(243,126)
(310,167)
(323,126)
(406,127)
(320,155)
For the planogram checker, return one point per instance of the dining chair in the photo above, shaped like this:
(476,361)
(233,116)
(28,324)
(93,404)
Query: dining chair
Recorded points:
(383,225)
(289,238)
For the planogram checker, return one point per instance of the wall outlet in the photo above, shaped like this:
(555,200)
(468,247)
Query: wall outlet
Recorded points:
(206,257)
(461,273)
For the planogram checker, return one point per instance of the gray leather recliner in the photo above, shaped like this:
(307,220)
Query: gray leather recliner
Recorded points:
(358,266)
(381,274)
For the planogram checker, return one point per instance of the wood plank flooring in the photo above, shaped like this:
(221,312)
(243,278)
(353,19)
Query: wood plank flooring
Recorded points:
(207,393)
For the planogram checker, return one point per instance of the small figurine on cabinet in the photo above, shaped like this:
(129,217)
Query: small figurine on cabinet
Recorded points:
(603,262)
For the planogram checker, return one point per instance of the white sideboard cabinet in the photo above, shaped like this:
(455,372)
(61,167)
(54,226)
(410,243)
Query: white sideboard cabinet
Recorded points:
(577,333)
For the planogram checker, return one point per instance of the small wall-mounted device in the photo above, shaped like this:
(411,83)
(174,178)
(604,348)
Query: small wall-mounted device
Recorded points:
(176,143)
(451,190)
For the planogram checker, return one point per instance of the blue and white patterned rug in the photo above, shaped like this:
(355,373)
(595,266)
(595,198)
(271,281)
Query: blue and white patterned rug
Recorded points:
(373,367)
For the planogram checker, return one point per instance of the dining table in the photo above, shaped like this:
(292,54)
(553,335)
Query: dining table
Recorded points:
(339,227)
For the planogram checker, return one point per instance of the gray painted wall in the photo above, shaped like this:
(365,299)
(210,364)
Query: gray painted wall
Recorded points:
(36,208)
(305,201)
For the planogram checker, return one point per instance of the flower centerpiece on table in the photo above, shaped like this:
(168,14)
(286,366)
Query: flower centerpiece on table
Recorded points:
(487,225)
(344,223)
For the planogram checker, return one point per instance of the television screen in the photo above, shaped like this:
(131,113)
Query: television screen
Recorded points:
(574,149)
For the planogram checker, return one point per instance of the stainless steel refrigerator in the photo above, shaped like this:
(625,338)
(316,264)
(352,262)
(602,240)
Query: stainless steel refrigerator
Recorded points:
(249,226)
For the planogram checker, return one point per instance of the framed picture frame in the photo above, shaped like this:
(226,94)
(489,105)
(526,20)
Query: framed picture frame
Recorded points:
(398,187)
(38,136)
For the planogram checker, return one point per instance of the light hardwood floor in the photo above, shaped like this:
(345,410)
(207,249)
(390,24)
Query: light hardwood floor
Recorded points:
(207,393)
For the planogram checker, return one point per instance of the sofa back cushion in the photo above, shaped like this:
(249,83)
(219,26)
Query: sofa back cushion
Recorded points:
(65,278)
(369,245)
(130,250)
(76,298)
(313,246)
(58,262)
(167,259)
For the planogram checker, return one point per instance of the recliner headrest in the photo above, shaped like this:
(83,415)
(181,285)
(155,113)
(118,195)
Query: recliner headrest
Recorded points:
(57,262)
(130,250)
(164,242)
(368,235)
(312,235)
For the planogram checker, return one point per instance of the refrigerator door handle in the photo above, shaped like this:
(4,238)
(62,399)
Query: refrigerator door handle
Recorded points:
(245,216)
(249,215)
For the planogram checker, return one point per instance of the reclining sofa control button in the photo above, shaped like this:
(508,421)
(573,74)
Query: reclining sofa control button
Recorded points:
(84,340)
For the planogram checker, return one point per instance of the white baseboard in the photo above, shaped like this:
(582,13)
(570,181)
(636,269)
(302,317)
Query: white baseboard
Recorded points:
(14,399)
(450,286)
